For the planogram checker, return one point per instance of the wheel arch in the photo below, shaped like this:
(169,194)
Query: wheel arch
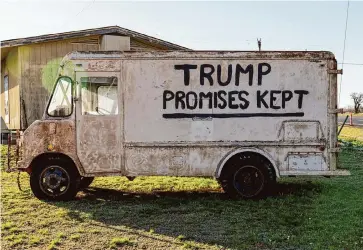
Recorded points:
(47,155)
(234,152)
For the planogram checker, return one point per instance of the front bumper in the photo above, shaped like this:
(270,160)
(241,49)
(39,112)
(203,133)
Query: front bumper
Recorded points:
(339,172)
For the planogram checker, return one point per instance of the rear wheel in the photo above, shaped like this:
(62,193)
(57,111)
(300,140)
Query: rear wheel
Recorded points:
(55,179)
(248,176)
(85,182)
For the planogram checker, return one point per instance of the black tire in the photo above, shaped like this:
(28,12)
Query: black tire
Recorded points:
(55,178)
(85,182)
(248,176)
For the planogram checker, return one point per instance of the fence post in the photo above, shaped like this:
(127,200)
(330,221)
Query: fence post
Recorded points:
(351,119)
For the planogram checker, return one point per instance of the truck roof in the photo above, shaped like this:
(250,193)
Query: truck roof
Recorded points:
(215,54)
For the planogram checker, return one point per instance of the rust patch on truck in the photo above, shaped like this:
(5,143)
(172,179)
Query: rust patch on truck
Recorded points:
(48,137)
(104,65)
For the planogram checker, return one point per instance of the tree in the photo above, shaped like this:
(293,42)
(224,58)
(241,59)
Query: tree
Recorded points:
(357,99)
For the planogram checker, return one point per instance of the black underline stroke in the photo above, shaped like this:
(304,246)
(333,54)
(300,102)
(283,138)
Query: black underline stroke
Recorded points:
(231,115)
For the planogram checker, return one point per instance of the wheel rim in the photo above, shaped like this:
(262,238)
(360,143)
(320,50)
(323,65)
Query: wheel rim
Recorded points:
(54,180)
(248,181)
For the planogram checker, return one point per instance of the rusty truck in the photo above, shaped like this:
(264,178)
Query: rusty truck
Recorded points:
(243,118)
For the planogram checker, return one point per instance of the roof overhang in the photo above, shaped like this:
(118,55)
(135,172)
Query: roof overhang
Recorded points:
(111,30)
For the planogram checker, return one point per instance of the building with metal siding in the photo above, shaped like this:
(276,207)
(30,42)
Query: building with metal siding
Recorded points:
(29,66)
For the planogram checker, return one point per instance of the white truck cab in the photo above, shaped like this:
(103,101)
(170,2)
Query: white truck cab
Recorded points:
(244,118)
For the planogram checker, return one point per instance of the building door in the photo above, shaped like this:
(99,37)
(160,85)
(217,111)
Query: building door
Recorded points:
(98,119)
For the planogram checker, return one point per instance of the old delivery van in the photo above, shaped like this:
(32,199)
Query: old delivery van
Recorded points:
(244,118)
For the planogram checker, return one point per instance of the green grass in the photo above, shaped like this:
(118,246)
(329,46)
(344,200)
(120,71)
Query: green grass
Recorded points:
(188,213)
(351,137)
(34,240)
(7,225)
(75,237)
(351,133)
(119,242)
(181,237)
(54,243)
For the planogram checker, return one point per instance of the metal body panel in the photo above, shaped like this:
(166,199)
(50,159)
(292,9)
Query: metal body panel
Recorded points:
(160,75)
(168,134)
(99,141)
(305,162)
(49,136)
(316,173)
(98,144)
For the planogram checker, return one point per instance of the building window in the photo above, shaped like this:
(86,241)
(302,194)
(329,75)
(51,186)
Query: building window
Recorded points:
(6,98)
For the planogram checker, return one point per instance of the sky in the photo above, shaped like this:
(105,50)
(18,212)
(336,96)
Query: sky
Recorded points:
(212,25)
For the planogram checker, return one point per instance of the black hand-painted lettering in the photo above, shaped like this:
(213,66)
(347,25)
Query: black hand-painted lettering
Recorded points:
(234,99)
(249,70)
(215,100)
(260,99)
(219,75)
(204,74)
(167,96)
(261,72)
(179,98)
(202,97)
(286,96)
(231,115)
(245,103)
(222,105)
(301,93)
(186,68)
(273,98)
(191,97)
(231,99)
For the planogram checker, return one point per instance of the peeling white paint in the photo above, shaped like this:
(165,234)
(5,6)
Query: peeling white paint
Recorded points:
(147,137)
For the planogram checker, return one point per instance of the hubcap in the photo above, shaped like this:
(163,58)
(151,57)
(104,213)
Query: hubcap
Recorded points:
(54,180)
(248,181)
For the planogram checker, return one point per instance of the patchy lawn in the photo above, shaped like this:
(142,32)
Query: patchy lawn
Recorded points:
(188,213)
(351,133)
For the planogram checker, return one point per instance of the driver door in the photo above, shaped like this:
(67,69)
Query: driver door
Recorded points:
(98,118)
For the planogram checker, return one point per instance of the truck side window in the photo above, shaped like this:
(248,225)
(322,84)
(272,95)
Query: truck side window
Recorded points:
(99,95)
(61,104)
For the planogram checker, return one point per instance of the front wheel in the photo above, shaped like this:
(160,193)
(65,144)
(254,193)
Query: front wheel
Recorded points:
(55,179)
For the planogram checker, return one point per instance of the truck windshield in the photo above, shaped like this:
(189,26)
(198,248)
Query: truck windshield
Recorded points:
(60,104)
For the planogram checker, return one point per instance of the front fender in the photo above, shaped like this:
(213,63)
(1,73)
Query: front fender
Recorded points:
(49,136)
